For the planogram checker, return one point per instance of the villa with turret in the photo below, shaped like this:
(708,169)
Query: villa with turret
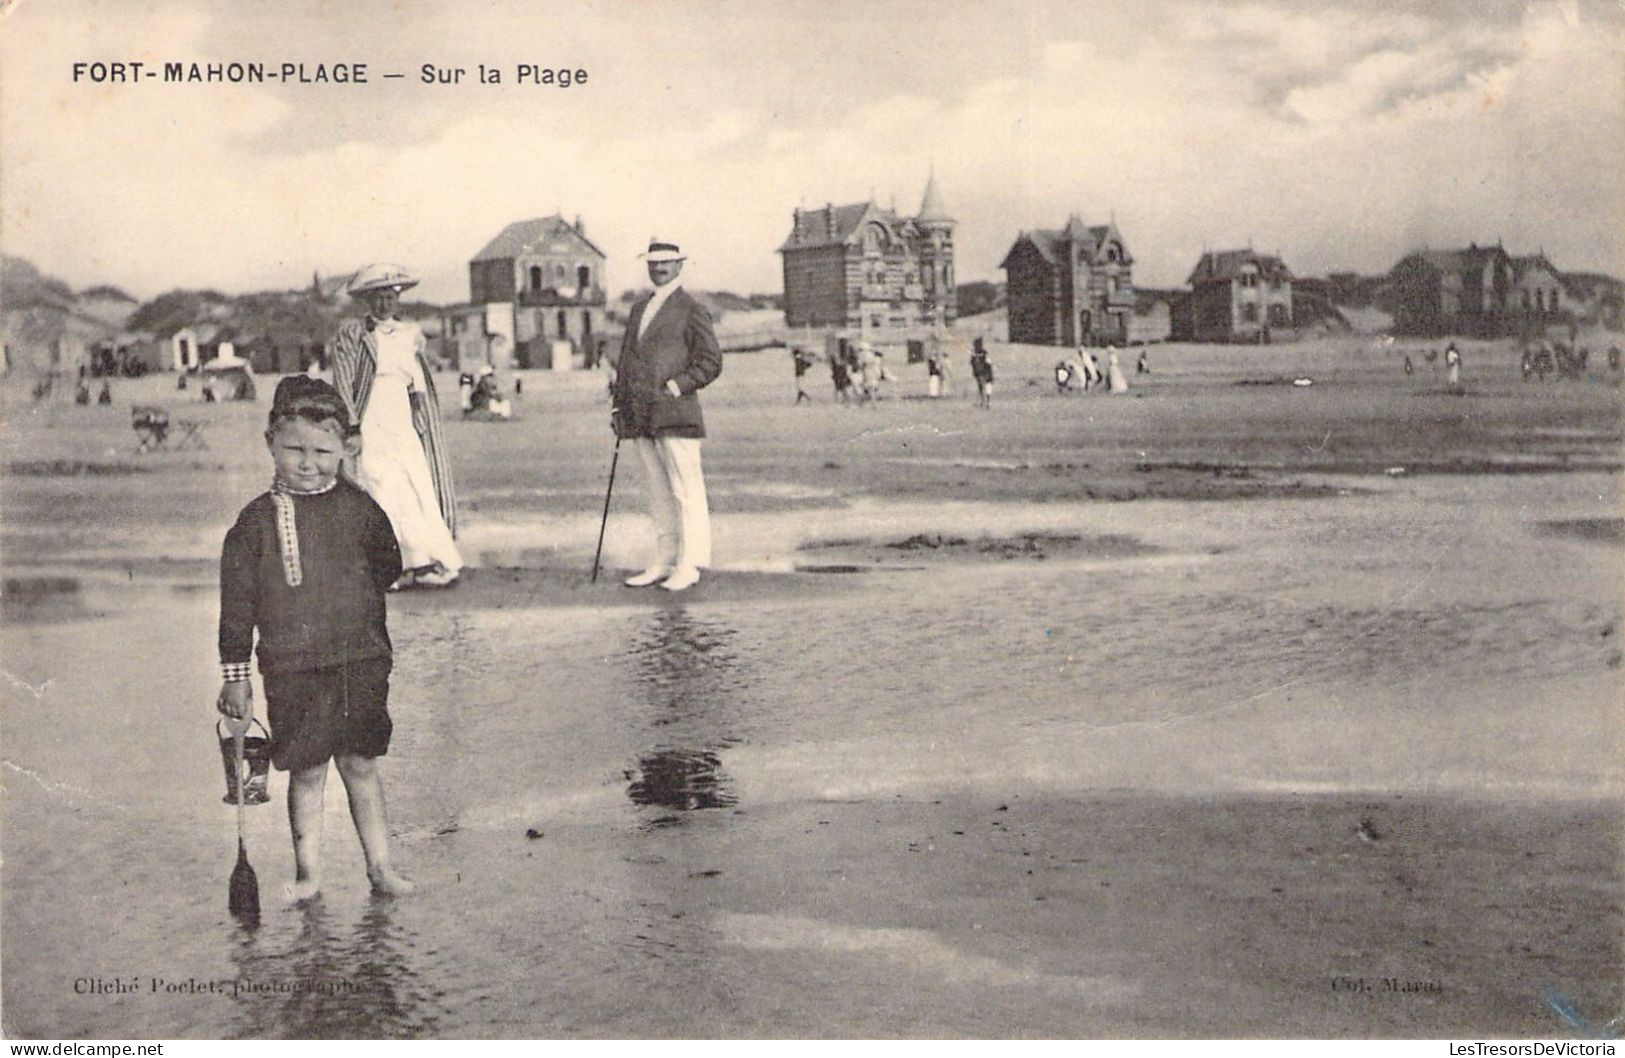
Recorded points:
(865,266)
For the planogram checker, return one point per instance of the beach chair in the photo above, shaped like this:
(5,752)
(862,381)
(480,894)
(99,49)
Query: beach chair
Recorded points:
(151,426)
(191,435)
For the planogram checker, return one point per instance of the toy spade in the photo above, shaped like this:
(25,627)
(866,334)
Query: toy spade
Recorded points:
(243,898)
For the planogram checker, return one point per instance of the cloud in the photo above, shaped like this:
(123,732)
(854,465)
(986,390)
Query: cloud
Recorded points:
(1340,137)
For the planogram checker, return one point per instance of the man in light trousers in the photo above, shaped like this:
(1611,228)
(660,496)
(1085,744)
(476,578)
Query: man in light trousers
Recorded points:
(669,353)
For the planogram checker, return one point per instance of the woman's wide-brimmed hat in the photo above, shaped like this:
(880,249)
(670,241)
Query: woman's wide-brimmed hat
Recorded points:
(662,250)
(381,277)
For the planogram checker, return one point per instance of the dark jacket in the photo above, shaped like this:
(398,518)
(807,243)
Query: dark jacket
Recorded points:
(679,346)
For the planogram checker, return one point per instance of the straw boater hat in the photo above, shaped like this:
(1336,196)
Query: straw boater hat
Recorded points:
(661,250)
(381,277)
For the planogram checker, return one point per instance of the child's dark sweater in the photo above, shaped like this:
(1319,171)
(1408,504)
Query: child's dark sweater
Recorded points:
(348,558)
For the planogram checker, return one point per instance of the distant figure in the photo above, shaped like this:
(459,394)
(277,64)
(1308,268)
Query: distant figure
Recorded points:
(1613,358)
(106,395)
(82,394)
(933,376)
(1142,366)
(946,367)
(1091,368)
(842,379)
(208,391)
(180,383)
(465,391)
(1063,376)
(1526,363)
(487,397)
(1410,365)
(868,373)
(981,369)
(1115,381)
(1452,363)
(1076,379)
(801,363)
(1543,359)
(518,385)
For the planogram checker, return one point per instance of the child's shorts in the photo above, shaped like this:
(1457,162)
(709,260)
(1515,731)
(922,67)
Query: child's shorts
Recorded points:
(322,713)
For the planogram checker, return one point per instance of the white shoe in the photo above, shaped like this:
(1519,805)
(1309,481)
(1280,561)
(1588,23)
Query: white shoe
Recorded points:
(652,575)
(682,577)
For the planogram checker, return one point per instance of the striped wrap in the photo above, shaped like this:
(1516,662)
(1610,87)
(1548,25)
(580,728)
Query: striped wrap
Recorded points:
(352,358)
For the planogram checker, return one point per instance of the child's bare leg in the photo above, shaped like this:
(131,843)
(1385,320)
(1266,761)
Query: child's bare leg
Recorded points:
(305,790)
(366,793)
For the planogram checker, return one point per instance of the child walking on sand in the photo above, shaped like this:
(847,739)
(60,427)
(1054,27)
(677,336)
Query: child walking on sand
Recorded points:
(306,566)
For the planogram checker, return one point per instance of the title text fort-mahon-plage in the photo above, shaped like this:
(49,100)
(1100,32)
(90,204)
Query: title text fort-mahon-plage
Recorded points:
(140,71)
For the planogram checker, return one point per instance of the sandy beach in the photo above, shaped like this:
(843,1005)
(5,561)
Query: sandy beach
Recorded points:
(1224,707)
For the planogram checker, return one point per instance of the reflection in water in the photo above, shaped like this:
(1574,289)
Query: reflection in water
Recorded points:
(330,982)
(681,780)
(691,675)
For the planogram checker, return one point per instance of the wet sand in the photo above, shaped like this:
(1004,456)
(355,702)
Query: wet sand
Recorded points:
(1212,710)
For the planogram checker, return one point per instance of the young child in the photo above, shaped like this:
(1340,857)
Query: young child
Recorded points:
(307,566)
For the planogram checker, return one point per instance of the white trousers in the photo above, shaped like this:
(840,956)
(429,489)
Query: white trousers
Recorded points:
(677,503)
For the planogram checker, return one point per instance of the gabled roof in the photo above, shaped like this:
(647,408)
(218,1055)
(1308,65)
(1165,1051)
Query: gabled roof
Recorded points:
(1051,243)
(524,236)
(1522,266)
(813,227)
(1474,256)
(1225,265)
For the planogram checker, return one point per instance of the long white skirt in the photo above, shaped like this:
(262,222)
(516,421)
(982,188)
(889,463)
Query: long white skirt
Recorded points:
(395,473)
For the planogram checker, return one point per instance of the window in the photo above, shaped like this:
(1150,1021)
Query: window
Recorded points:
(1554,300)
(584,277)
(586,323)
(1249,312)
(535,277)
(564,327)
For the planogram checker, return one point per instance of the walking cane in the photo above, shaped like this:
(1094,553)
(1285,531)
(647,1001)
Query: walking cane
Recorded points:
(602,525)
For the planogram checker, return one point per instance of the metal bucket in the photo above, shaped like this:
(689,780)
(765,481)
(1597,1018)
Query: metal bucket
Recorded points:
(256,762)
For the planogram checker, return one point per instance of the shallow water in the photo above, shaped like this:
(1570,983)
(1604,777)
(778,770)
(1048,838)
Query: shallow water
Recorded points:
(573,784)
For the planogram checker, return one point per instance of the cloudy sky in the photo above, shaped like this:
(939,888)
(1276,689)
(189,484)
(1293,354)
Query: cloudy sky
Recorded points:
(1341,134)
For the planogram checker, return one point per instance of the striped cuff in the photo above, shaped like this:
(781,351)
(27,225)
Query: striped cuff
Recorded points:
(236,671)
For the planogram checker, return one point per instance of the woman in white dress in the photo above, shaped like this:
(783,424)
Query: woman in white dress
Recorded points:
(379,368)
(1115,380)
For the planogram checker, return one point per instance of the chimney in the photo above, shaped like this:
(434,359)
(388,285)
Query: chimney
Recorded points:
(795,225)
(829,221)
(580,228)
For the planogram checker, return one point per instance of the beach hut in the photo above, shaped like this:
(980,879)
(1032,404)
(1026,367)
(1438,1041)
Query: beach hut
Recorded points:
(185,354)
